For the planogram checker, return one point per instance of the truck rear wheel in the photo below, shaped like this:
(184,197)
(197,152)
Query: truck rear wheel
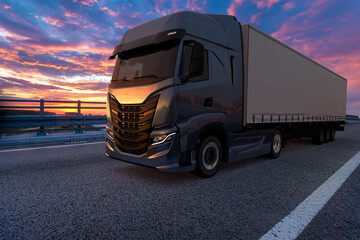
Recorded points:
(276,144)
(332,134)
(318,139)
(326,134)
(209,157)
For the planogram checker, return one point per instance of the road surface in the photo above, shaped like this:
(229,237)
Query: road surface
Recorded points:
(76,192)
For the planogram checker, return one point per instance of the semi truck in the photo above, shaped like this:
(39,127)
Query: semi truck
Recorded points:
(190,91)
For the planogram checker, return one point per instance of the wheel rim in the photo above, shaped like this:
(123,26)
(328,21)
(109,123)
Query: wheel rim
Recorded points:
(276,143)
(210,156)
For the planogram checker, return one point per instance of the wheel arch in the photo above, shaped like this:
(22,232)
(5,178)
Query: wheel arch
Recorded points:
(219,132)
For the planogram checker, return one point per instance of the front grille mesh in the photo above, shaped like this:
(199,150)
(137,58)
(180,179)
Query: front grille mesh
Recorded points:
(132,124)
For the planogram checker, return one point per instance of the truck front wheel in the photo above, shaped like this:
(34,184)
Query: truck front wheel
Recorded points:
(209,157)
(276,144)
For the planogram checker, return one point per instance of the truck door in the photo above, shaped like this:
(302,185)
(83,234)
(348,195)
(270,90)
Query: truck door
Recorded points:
(227,86)
(195,96)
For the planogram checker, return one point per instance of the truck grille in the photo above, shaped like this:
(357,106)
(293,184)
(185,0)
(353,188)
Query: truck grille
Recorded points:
(132,123)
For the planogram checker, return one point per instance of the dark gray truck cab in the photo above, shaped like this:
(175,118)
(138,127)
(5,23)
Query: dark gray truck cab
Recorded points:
(176,99)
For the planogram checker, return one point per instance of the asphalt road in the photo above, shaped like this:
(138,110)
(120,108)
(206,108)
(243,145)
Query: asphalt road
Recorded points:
(76,192)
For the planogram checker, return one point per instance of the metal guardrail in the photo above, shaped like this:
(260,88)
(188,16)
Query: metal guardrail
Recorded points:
(352,117)
(42,121)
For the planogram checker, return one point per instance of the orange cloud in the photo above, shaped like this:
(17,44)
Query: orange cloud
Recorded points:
(288,5)
(233,6)
(86,2)
(265,3)
(254,19)
(111,12)
(193,5)
(80,47)
(70,14)
(53,21)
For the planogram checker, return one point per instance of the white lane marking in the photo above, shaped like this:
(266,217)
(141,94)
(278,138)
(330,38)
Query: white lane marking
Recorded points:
(57,146)
(293,224)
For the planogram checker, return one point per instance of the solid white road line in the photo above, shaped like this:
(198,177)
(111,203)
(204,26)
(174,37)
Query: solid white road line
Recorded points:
(57,146)
(293,224)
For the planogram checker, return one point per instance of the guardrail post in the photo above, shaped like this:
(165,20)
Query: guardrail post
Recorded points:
(41,131)
(79,108)
(79,129)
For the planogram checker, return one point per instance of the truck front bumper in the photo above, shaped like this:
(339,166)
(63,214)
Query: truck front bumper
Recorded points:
(164,157)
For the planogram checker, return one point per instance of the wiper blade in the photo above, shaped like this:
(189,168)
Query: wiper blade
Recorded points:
(146,76)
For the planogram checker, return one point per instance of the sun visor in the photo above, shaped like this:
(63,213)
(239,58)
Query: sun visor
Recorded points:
(160,37)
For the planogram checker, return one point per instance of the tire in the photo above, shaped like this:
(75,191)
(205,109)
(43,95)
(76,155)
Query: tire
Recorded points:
(318,139)
(276,144)
(209,157)
(326,134)
(332,134)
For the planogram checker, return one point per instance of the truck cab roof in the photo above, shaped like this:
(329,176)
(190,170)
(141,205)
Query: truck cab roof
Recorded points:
(209,27)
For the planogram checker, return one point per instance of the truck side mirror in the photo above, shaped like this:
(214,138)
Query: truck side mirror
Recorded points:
(196,61)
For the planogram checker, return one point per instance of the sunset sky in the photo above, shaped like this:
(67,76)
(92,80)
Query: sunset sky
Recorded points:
(58,50)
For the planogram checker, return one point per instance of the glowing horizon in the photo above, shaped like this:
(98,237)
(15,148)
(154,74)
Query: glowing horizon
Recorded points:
(59,50)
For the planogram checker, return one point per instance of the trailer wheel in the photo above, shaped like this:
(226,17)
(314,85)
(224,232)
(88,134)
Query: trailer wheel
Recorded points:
(332,134)
(318,139)
(326,134)
(209,157)
(276,144)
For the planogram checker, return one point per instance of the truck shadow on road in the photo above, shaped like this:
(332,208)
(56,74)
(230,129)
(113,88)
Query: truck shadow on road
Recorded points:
(171,178)
(294,147)
(153,175)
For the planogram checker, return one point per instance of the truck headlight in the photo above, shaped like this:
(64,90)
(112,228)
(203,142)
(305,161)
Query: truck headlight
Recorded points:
(162,138)
(110,134)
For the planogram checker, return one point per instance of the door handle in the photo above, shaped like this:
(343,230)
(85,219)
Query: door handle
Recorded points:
(208,102)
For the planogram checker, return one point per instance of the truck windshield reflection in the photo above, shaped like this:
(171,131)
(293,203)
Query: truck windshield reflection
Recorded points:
(152,61)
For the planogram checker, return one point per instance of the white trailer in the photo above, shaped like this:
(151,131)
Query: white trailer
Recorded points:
(282,85)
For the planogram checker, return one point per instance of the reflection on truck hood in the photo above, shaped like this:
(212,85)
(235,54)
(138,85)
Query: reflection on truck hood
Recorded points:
(138,94)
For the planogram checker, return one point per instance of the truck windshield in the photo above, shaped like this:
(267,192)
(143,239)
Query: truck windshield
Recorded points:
(151,63)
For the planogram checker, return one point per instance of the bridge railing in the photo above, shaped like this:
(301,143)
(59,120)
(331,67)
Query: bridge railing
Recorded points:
(25,123)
